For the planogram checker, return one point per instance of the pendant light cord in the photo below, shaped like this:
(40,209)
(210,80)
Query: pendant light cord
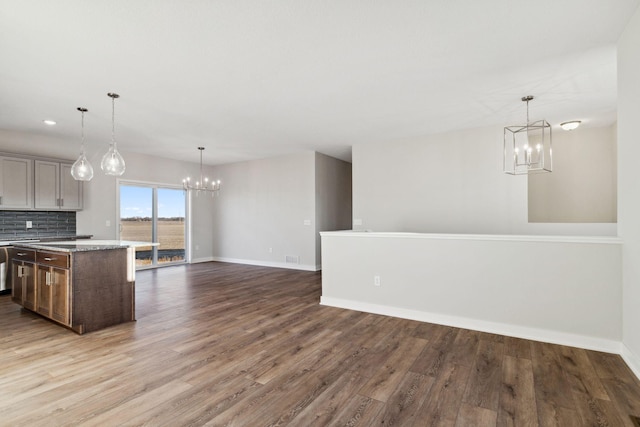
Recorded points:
(82,133)
(113,120)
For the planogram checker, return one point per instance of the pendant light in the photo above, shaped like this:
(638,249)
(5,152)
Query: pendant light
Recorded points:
(203,185)
(527,148)
(112,162)
(82,169)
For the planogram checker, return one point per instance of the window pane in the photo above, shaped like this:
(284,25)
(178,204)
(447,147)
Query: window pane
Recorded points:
(171,228)
(136,220)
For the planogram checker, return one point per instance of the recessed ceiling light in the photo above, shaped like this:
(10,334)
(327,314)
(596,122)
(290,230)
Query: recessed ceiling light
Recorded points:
(570,125)
(49,122)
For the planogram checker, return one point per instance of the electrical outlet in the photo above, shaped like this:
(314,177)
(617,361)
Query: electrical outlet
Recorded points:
(376,280)
(108,223)
(357,222)
(270,250)
(29,224)
(307,222)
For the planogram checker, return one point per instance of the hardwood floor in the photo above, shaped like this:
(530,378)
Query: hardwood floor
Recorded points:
(224,344)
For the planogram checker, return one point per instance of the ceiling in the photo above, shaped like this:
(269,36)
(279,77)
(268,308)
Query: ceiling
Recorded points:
(251,79)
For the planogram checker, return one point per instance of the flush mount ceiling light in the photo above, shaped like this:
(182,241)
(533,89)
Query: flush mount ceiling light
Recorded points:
(82,169)
(527,148)
(203,185)
(570,125)
(112,162)
(49,122)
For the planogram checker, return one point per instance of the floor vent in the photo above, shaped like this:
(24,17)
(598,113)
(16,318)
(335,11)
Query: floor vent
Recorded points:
(635,420)
(292,259)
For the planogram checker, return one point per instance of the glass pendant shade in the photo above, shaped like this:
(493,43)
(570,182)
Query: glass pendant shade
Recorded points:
(82,170)
(113,162)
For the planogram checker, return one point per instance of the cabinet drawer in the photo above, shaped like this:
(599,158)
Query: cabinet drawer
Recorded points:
(24,254)
(53,259)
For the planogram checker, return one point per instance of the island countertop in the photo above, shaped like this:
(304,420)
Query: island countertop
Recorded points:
(13,240)
(85,245)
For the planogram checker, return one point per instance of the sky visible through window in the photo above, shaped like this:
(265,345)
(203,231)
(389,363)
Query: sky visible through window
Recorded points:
(137,202)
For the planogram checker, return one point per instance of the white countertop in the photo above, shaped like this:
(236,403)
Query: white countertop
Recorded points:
(498,237)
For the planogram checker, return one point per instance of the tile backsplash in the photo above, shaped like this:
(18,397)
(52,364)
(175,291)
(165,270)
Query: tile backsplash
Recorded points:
(45,224)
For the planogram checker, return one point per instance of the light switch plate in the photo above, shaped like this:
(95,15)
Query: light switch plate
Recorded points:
(29,224)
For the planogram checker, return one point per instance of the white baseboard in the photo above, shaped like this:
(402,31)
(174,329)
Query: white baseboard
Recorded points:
(535,334)
(205,259)
(304,267)
(632,360)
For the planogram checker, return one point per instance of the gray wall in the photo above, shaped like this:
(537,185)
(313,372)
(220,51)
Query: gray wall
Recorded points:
(448,183)
(582,187)
(333,197)
(100,194)
(261,212)
(267,209)
(628,182)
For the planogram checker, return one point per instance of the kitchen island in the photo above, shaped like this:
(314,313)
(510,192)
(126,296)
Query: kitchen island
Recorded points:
(83,285)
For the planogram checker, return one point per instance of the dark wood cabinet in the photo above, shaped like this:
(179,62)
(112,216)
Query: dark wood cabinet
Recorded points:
(84,290)
(53,293)
(23,277)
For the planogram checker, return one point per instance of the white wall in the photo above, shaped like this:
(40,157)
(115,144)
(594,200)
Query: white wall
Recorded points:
(449,183)
(263,205)
(333,197)
(628,184)
(553,289)
(582,187)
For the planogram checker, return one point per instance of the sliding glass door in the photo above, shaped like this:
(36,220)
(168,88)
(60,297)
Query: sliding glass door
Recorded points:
(171,226)
(152,213)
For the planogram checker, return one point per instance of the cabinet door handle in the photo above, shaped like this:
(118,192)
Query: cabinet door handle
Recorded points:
(50,259)
(21,254)
(48,278)
(20,271)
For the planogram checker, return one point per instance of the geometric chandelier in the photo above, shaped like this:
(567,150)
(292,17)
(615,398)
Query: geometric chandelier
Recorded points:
(527,148)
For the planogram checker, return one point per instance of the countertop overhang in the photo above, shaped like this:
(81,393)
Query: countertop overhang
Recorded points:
(34,239)
(85,245)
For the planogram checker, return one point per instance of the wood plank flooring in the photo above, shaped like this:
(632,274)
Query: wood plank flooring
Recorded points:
(222,344)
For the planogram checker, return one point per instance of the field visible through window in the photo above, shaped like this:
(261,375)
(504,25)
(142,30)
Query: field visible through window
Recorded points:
(170,236)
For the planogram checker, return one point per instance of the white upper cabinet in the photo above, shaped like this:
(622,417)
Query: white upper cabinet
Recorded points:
(55,188)
(16,183)
(70,189)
